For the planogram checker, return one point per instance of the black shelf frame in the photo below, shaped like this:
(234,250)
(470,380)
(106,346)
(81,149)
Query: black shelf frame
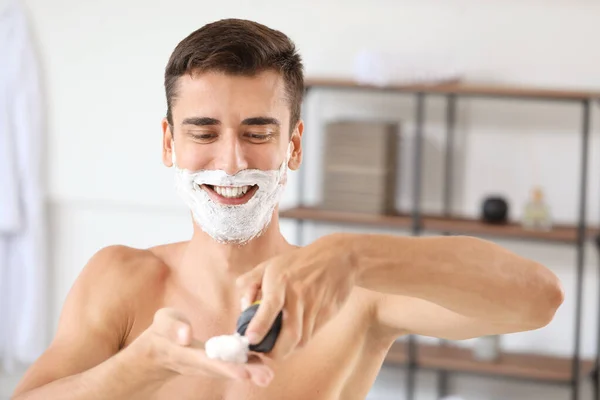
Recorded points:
(451,99)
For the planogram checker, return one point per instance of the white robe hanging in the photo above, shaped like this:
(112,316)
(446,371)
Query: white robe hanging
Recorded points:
(23,249)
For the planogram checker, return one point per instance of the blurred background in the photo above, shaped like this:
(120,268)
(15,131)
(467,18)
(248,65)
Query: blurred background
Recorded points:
(85,84)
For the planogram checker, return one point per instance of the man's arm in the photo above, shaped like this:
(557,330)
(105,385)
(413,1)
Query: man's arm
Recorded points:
(446,287)
(451,287)
(80,363)
(87,360)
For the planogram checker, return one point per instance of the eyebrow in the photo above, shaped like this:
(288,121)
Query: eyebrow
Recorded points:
(207,121)
(261,121)
(201,121)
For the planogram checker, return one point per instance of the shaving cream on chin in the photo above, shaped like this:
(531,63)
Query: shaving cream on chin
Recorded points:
(232,223)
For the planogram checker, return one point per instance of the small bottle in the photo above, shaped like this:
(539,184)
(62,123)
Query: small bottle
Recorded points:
(536,215)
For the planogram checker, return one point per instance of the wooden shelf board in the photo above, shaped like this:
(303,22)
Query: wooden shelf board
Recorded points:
(453,87)
(456,225)
(515,365)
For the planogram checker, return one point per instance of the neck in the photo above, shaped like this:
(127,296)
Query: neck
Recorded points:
(237,259)
(206,262)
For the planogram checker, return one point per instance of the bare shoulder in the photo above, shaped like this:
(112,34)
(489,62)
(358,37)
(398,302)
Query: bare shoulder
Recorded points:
(119,267)
(99,312)
(111,285)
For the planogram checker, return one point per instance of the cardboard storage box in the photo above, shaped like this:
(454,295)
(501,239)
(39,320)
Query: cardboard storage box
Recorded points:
(360,161)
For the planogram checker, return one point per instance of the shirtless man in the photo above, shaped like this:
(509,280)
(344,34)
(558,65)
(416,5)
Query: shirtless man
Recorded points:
(134,323)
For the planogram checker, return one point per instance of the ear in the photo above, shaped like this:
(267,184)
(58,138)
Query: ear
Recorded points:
(168,145)
(296,139)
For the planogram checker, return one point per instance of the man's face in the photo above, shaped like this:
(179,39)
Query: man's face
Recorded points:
(231,123)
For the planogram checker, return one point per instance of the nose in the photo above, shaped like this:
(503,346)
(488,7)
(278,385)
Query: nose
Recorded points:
(230,156)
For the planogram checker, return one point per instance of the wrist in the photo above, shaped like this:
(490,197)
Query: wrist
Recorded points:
(121,376)
(345,249)
(143,365)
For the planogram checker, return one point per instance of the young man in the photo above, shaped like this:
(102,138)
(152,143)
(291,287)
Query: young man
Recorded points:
(134,323)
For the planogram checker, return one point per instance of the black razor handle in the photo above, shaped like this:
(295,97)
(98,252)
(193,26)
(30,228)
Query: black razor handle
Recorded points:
(267,344)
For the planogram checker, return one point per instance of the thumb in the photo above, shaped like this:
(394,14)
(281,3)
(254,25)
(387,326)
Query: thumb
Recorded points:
(249,285)
(173,325)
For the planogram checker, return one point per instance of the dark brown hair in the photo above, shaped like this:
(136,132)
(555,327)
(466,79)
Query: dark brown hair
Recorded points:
(237,47)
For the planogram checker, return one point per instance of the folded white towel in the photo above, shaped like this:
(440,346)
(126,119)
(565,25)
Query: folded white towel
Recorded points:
(382,69)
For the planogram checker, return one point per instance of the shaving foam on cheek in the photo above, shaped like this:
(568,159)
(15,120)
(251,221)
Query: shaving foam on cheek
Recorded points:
(232,223)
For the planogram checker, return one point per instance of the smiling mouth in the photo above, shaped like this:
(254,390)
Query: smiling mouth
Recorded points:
(231,194)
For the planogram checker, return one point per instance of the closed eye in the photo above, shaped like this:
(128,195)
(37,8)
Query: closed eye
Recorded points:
(260,137)
(207,136)
(204,135)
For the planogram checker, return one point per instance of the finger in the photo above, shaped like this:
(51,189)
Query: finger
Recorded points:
(325,314)
(173,325)
(308,326)
(193,361)
(273,299)
(249,295)
(260,373)
(250,278)
(249,284)
(314,316)
(291,331)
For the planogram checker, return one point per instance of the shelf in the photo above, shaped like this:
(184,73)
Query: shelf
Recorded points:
(455,225)
(463,89)
(514,365)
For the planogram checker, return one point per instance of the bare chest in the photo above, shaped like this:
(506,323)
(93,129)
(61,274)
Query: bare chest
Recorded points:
(338,363)
(321,371)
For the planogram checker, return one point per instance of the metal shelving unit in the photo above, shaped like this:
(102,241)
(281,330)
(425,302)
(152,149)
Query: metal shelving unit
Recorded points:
(448,359)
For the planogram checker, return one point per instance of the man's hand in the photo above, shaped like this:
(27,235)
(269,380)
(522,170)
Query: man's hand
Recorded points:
(169,348)
(310,285)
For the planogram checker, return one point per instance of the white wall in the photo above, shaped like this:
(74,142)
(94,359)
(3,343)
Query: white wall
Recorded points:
(103,64)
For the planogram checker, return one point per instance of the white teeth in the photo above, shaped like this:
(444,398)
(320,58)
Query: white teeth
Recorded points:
(231,191)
